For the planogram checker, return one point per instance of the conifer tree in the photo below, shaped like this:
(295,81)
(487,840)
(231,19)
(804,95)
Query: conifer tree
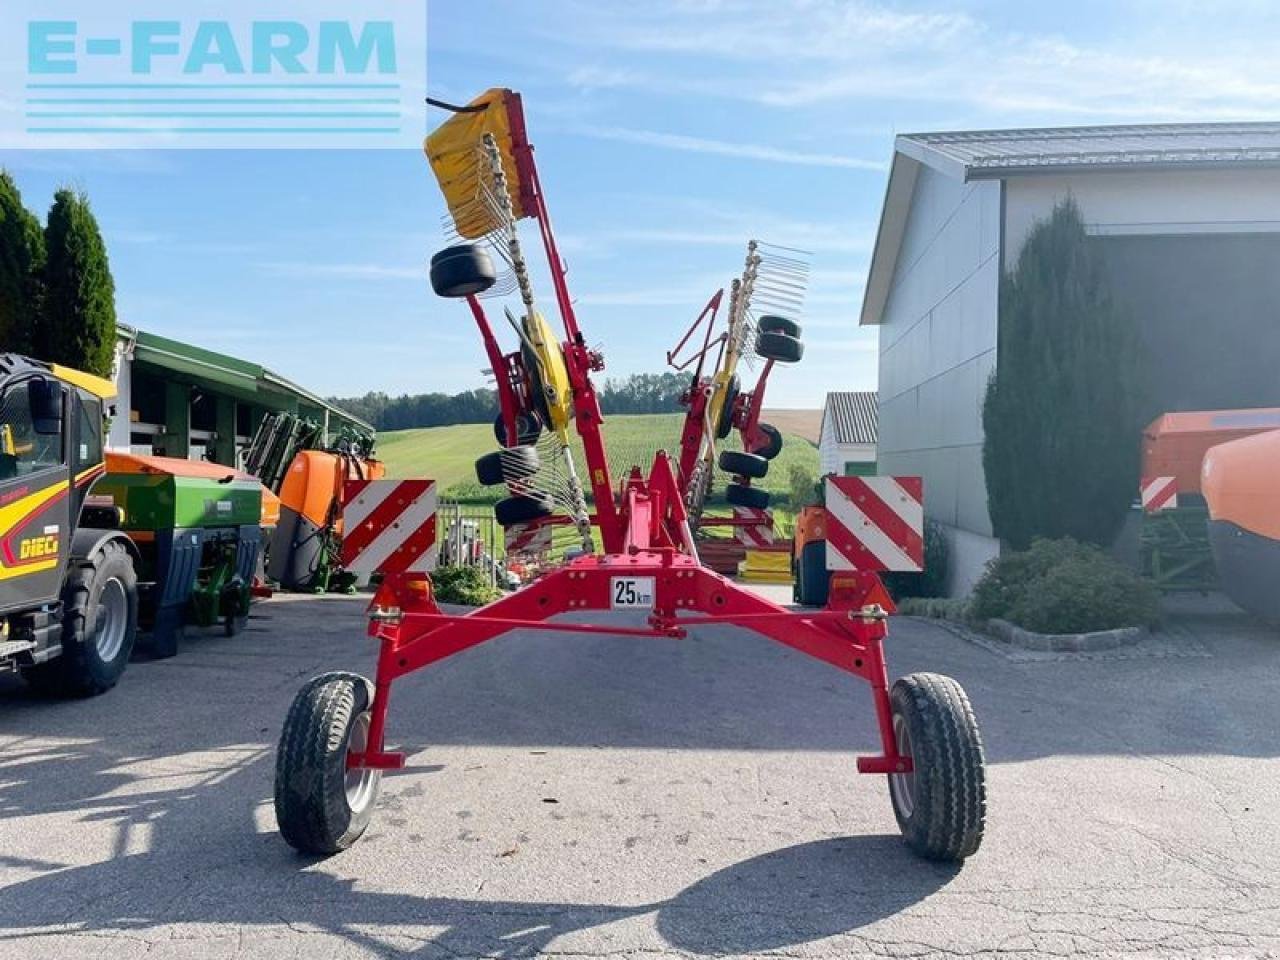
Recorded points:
(79,327)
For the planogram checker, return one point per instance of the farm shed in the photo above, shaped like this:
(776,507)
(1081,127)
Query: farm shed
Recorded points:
(847,445)
(1187,218)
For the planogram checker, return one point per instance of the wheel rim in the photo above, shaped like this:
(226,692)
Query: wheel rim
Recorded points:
(112,620)
(359,782)
(903,785)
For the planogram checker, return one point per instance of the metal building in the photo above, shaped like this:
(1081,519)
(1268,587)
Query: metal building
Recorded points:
(1188,221)
(178,400)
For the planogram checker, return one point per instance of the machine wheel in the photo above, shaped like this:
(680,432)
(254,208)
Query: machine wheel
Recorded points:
(725,423)
(99,625)
(743,464)
(528,429)
(813,580)
(775,324)
(773,446)
(779,347)
(741,496)
(522,509)
(461,271)
(321,806)
(503,466)
(941,805)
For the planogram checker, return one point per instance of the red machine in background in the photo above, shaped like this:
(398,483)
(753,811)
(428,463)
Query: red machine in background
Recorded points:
(332,749)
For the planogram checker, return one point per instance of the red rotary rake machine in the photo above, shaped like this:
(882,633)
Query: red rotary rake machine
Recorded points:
(332,750)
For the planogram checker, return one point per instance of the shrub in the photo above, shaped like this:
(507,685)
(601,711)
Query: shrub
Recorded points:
(1062,419)
(1062,586)
(465,585)
(932,581)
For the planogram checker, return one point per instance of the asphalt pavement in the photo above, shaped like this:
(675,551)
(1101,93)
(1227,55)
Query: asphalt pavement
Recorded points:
(571,796)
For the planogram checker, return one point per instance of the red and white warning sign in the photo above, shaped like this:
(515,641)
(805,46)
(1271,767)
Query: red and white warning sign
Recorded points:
(758,532)
(1159,493)
(389,526)
(875,523)
(528,539)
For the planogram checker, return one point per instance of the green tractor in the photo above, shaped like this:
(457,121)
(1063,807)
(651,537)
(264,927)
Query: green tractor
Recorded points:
(68,584)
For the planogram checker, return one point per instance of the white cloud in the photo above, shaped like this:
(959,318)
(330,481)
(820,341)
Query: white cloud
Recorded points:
(346,271)
(749,151)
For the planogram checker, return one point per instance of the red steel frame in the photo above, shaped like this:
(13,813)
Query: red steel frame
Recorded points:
(645,530)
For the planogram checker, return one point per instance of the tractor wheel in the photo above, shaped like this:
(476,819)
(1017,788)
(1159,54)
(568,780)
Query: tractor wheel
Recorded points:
(99,625)
(813,580)
(321,806)
(522,509)
(461,271)
(743,464)
(741,496)
(503,466)
(528,428)
(772,446)
(779,347)
(941,805)
(725,423)
(775,324)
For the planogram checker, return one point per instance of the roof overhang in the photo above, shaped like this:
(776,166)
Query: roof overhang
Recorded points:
(893,224)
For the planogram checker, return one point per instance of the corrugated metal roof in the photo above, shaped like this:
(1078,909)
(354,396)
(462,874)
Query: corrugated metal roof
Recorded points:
(855,416)
(988,154)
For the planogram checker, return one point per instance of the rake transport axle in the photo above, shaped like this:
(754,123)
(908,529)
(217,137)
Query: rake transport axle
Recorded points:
(333,747)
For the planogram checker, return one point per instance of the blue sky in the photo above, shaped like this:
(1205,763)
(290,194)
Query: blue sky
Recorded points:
(668,133)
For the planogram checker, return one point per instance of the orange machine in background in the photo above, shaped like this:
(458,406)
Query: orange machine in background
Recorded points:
(1241,483)
(1174,444)
(305,547)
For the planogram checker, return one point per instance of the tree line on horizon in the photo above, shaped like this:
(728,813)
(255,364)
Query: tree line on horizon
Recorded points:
(637,393)
(57,295)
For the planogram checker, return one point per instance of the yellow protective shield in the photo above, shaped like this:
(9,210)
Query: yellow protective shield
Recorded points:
(455,152)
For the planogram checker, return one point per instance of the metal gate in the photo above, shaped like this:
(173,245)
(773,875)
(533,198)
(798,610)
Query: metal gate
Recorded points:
(469,536)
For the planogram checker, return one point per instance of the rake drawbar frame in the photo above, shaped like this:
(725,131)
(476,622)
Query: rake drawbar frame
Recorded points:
(413,632)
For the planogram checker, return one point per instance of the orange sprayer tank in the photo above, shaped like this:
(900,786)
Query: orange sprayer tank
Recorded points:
(1241,483)
(310,510)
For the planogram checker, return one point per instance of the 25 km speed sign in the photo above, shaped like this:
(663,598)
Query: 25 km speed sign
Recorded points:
(631,593)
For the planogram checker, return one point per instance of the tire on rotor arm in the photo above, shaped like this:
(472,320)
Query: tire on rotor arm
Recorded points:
(813,580)
(462,271)
(941,806)
(725,423)
(772,446)
(779,347)
(743,464)
(528,429)
(503,466)
(741,496)
(522,509)
(318,809)
(771,323)
(99,625)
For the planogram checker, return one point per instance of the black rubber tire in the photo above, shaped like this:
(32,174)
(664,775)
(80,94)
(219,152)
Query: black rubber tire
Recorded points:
(312,808)
(503,466)
(80,670)
(773,446)
(813,580)
(775,324)
(779,347)
(528,429)
(741,496)
(461,271)
(743,464)
(522,509)
(948,785)
(725,423)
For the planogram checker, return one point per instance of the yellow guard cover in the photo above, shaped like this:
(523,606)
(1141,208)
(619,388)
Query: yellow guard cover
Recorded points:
(455,153)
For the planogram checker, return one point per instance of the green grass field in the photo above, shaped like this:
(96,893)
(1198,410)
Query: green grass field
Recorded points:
(447,455)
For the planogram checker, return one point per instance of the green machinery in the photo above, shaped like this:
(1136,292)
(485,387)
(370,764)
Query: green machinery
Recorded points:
(197,527)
